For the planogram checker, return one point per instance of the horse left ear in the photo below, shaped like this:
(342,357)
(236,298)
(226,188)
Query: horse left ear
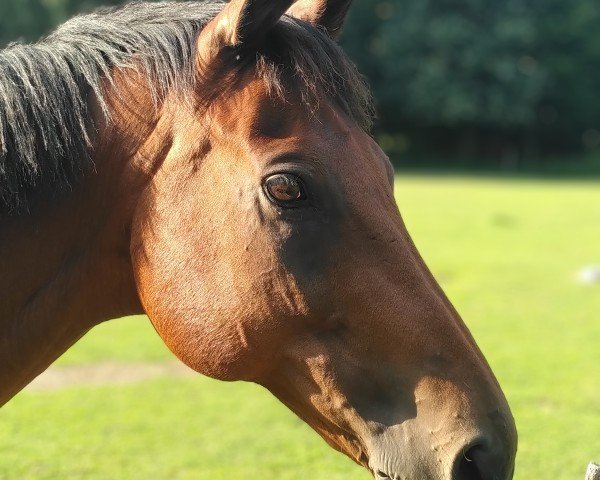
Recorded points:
(329,14)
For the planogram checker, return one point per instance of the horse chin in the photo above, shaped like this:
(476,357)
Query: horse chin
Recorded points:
(345,443)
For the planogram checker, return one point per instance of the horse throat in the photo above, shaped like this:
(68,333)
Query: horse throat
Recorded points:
(65,267)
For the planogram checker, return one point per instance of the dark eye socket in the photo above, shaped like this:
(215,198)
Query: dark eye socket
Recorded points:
(285,189)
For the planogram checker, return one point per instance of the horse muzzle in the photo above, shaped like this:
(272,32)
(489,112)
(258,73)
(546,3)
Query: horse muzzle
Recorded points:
(440,454)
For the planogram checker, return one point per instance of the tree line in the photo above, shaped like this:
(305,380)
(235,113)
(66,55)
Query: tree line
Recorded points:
(482,78)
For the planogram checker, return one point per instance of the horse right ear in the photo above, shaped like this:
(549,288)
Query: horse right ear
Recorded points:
(328,14)
(240,23)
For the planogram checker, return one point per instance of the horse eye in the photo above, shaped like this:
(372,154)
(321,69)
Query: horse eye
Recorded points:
(284,188)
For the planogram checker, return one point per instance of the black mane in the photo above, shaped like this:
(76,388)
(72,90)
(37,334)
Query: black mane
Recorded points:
(46,130)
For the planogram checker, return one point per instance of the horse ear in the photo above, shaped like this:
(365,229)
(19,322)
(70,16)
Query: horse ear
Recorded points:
(241,22)
(329,14)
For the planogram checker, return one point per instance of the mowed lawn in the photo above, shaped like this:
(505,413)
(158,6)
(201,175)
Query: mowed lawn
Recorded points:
(507,252)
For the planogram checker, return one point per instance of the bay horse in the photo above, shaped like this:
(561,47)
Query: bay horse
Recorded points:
(210,164)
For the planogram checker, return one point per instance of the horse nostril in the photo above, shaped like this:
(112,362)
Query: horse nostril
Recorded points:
(466,467)
(382,475)
(480,462)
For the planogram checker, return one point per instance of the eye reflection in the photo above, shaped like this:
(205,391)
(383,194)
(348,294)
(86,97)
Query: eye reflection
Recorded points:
(284,188)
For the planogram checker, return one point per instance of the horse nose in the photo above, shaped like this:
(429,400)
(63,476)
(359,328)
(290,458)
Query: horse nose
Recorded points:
(484,460)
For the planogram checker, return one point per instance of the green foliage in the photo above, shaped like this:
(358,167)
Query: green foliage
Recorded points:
(570,49)
(28,20)
(453,62)
(23,20)
(519,71)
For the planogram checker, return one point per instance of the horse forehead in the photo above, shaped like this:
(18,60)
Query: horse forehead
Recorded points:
(262,117)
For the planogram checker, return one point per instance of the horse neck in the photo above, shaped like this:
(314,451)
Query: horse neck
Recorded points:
(66,266)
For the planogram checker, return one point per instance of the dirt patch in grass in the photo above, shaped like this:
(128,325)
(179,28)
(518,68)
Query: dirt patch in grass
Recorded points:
(107,373)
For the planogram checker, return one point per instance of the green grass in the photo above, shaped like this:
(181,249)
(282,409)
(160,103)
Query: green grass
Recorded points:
(507,252)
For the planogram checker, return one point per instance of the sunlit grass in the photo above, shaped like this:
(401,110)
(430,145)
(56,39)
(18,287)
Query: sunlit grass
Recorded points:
(507,252)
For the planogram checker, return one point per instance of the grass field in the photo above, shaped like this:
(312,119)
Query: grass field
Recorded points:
(507,251)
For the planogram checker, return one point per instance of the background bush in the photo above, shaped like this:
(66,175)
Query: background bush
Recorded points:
(482,76)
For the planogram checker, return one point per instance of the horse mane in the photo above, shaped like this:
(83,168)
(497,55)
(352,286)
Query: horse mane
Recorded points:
(47,89)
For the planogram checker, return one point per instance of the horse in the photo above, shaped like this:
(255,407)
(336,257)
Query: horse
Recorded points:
(211,165)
